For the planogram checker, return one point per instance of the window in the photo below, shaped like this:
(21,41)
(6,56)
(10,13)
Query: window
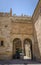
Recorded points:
(6,26)
(1,43)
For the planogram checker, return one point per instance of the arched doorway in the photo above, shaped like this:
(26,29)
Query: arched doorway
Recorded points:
(28,49)
(16,45)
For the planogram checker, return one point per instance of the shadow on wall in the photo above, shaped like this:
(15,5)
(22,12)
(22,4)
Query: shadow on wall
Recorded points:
(36,47)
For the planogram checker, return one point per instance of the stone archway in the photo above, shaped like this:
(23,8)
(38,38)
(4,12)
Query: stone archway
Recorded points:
(28,49)
(17,44)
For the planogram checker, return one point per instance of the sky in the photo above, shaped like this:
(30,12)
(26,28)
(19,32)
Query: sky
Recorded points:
(25,7)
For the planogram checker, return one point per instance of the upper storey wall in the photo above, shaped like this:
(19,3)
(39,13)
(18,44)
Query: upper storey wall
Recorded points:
(21,26)
(5,26)
(16,25)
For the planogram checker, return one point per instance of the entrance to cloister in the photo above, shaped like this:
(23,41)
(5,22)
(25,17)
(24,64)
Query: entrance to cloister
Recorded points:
(17,48)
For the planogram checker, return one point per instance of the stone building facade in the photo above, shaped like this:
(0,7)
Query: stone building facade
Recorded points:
(20,32)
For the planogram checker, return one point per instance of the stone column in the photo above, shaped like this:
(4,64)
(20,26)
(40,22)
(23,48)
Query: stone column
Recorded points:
(22,50)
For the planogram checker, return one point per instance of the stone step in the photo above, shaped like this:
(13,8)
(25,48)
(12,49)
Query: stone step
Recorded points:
(18,61)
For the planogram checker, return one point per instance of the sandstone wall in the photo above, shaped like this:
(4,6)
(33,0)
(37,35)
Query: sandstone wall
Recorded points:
(38,31)
(5,28)
(36,26)
(10,30)
(22,29)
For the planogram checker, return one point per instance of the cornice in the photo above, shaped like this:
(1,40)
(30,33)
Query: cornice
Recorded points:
(20,18)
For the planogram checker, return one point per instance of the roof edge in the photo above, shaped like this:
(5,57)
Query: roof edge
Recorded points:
(36,11)
(36,8)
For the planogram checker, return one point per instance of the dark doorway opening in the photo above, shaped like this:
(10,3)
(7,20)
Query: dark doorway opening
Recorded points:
(16,47)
